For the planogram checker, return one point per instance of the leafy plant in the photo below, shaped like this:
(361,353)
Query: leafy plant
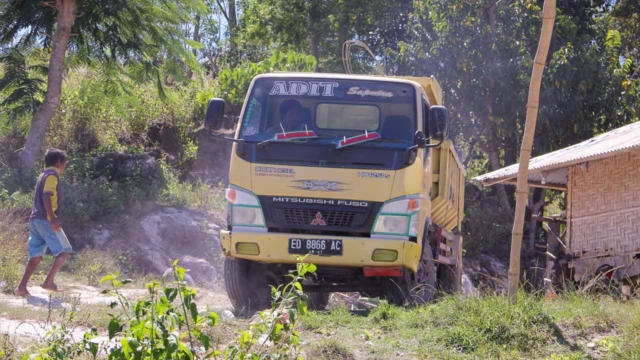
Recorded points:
(234,83)
(167,324)
(92,264)
(275,335)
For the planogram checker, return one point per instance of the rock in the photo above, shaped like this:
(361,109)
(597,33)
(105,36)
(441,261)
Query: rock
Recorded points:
(168,234)
(591,345)
(188,279)
(467,287)
(100,236)
(227,314)
(486,272)
(263,340)
(116,166)
(212,162)
(163,142)
(198,267)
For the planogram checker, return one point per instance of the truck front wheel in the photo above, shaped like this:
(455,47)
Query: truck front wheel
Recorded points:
(247,284)
(414,288)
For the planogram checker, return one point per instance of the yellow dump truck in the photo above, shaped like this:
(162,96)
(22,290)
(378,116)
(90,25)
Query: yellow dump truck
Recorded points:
(354,171)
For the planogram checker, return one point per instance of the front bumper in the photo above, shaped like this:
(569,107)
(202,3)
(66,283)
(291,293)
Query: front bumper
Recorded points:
(357,251)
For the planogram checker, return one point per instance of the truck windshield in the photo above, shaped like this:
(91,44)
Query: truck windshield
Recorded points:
(331,108)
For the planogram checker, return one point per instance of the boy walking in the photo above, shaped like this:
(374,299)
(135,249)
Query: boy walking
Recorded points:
(44,223)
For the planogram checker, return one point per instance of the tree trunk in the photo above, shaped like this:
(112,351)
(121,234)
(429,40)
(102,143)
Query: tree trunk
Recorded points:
(343,34)
(494,161)
(315,19)
(196,37)
(66,14)
(196,33)
(536,204)
(494,155)
(315,49)
(548,17)
(233,27)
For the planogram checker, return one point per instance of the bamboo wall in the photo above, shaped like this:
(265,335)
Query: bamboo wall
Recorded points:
(604,206)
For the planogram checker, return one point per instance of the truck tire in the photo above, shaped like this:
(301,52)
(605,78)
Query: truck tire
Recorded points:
(414,288)
(247,286)
(318,301)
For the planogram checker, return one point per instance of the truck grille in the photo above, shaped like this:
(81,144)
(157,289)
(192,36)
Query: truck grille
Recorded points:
(331,218)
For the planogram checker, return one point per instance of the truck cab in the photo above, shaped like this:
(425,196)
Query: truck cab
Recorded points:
(354,172)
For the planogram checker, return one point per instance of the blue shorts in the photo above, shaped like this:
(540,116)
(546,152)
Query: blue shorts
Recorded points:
(41,236)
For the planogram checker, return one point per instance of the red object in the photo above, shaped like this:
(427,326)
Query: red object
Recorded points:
(358,139)
(295,135)
(395,271)
(318,220)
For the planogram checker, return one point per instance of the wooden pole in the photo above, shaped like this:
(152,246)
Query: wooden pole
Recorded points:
(522,191)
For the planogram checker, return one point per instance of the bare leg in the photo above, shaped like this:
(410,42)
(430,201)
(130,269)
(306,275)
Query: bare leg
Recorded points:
(32,265)
(57,264)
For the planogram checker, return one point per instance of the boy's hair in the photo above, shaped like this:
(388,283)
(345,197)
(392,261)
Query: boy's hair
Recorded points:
(54,156)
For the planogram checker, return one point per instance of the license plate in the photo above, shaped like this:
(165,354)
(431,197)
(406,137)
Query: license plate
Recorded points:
(326,247)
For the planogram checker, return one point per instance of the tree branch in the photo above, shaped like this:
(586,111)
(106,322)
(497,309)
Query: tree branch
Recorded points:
(472,145)
(224,12)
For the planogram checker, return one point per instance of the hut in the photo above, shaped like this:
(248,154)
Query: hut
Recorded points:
(601,178)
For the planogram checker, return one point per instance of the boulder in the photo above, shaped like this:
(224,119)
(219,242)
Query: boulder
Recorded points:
(115,166)
(162,236)
(486,272)
(163,142)
(212,162)
(169,234)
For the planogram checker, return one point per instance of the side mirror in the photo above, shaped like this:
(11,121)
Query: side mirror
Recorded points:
(438,122)
(420,140)
(215,114)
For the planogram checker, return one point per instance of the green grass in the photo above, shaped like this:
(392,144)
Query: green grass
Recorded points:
(487,327)
(451,328)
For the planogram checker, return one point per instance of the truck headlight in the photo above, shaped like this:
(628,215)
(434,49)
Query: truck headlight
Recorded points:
(245,208)
(398,217)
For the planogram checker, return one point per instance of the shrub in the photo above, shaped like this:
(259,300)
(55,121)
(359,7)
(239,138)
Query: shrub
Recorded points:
(198,196)
(168,325)
(490,322)
(486,227)
(94,116)
(330,349)
(13,249)
(90,196)
(92,265)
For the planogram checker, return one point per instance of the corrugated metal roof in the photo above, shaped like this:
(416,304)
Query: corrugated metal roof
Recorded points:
(548,166)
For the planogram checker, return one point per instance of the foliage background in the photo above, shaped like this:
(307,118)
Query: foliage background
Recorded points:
(481,52)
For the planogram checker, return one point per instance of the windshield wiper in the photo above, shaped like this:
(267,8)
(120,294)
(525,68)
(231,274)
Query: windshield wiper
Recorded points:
(290,136)
(366,137)
(358,139)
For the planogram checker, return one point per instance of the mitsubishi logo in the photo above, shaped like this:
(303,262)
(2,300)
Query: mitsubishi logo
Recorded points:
(318,220)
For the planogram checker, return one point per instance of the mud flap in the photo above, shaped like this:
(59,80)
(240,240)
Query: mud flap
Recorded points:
(449,258)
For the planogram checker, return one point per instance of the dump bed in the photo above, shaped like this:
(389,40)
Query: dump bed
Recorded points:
(447,194)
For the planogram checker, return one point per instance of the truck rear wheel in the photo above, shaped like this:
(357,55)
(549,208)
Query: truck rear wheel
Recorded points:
(318,301)
(414,288)
(247,284)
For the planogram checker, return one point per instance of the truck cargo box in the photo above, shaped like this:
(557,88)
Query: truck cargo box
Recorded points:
(447,191)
